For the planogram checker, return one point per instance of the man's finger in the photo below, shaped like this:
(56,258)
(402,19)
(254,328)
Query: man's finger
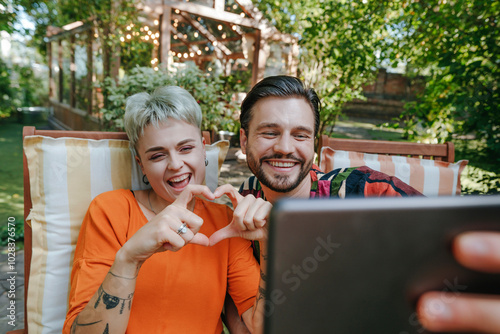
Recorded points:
(478,251)
(222,234)
(193,190)
(446,312)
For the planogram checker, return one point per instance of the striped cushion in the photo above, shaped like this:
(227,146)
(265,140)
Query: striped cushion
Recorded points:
(430,177)
(65,175)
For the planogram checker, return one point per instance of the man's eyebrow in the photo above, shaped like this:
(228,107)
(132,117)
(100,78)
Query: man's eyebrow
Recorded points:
(267,125)
(303,128)
(160,148)
(276,125)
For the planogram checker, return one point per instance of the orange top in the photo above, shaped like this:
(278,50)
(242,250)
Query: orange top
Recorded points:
(176,292)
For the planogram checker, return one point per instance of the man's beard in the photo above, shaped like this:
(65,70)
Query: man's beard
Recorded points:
(278,183)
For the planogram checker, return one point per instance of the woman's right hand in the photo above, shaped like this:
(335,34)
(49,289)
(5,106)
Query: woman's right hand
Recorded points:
(161,232)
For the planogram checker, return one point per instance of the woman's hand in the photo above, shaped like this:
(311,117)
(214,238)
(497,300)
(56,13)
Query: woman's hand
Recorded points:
(250,216)
(165,232)
(443,312)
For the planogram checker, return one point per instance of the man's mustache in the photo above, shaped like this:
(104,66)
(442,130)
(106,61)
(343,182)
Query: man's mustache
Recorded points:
(282,156)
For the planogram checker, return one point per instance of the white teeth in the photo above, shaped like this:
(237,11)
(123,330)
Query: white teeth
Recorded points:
(179,178)
(281,164)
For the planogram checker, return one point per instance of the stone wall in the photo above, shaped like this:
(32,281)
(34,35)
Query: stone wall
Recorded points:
(385,98)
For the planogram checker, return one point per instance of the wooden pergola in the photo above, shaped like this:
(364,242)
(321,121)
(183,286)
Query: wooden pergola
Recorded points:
(231,34)
(188,28)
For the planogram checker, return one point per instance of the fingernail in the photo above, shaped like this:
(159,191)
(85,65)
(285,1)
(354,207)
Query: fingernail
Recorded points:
(437,308)
(474,245)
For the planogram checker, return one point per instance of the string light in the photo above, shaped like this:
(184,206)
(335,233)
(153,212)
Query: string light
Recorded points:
(156,68)
(233,27)
(179,55)
(206,48)
(175,36)
(215,43)
(224,36)
(209,69)
(198,52)
(191,54)
(196,34)
(122,39)
(185,55)
(128,36)
(235,6)
(219,27)
(146,38)
(146,28)
(242,14)
(157,22)
(177,11)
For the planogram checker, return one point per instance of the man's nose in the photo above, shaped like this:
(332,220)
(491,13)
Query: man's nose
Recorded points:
(284,144)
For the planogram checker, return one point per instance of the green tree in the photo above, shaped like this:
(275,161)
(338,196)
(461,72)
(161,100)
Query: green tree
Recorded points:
(6,91)
(456,44)
(339,41)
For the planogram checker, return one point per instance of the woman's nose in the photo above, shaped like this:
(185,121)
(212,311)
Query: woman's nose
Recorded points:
(175,163)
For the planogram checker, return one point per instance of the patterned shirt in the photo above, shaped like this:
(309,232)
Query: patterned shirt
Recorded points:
(342,183)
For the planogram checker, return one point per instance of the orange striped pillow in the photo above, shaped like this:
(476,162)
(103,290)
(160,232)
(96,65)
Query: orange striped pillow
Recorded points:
(430,177)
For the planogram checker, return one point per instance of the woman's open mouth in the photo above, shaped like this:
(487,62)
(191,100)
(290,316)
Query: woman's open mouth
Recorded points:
(179,182)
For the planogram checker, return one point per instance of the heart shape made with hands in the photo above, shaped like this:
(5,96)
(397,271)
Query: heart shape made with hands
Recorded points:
(249,217)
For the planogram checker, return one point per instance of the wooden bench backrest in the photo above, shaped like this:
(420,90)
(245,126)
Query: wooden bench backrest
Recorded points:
(440,152)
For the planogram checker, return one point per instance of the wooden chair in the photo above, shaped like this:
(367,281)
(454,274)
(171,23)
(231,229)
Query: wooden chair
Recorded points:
(31,131)
(441,152)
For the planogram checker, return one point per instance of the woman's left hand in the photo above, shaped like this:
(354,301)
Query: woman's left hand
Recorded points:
(250,216)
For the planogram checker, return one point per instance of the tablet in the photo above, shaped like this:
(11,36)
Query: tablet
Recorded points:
(359,265)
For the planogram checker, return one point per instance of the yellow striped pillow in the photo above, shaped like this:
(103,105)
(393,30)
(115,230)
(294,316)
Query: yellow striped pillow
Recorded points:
(65,175)
(430,177)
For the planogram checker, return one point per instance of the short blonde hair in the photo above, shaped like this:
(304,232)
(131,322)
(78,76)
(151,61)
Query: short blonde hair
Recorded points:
(167,102)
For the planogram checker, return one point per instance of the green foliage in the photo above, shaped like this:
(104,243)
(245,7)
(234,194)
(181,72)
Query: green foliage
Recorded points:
(7,93)
(208,92)
(339,40)
(19,87)
(457,45)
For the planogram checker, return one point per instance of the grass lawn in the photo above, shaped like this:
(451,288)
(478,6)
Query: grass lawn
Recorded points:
(11,176)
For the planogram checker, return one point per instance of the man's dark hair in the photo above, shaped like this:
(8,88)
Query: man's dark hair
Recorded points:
(279,86)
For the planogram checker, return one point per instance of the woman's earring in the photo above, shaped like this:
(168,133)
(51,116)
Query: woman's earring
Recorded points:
(206,162)
(145,179)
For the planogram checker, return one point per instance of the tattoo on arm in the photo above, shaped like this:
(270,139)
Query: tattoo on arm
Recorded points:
(118,276)
(260,296)
(112,301)
(106,330)
(79,324)
(263,276)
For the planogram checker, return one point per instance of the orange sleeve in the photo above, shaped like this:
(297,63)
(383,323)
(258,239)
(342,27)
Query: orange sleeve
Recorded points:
(243,273)
(98,242)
